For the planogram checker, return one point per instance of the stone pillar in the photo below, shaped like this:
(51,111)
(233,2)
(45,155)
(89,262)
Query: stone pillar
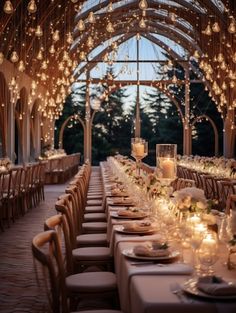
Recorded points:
(87,130)
(187,132)
(11,131)
(26,137)
(229,134)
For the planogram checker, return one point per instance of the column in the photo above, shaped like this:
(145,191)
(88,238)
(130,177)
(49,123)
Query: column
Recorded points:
(11,130)
(137,115)
(87,131)
(229,133)
(187,134)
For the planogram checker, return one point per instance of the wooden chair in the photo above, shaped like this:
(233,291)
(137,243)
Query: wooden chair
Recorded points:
(66,291)
(84,256)
(180,183)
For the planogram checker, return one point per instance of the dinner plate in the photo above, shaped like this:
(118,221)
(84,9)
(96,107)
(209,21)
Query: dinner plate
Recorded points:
(130,254)
(121,229)
(131,217)
(190,287)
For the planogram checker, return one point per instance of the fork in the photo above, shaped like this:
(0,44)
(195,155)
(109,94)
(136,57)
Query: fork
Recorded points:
(177,290)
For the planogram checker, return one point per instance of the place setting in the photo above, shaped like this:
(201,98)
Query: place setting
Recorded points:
(129,213)
(156,251)
(136,228)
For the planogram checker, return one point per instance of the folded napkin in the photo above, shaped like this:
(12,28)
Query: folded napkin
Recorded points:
(216,286)
(138,227)
(152,249)
(123,201)
(130,213)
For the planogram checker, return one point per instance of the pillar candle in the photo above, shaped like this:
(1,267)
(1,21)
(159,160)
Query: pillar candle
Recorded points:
(168,168)
(138,149)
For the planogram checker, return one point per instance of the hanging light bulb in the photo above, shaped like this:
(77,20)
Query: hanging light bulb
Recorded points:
(224,86)
(44,65)
(223,66)
(207,31)
(232,84)
(216,27)
(91,17)
(39,55)
(65,56)
(110,28)
(220,57)
(8,7)
(74,1)
(69,39)
(52,49)
(32,7)
(61,66)
(67,72)
(142,23)
(90,42)
(172,17)
(14,57)
(143,5)
(232,27)
(55,36)
(110,7)
(81,25)
(1,57)
(82,55)
(196,54)
(21,66)
(174,79)
(234,57)
(38,31)
(33,84)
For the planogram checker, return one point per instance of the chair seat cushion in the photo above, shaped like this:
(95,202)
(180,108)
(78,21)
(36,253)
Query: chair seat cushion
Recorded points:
(94,196)
(92,240)
(95,217)
(94,202)
(93,227)
(94,209)
(92,254)
(91,282)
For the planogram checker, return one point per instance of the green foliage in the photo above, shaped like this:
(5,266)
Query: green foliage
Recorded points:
(113,127)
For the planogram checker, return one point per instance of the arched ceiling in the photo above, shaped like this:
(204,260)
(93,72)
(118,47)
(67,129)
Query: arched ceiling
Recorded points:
(204,28)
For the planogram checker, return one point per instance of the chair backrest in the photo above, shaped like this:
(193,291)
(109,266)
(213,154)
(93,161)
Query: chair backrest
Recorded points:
(59,224)
(180,183)
(65,207)
(46,251)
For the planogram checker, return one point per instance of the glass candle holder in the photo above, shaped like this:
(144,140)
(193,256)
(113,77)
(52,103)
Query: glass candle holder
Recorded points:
(139,149)
(166,161)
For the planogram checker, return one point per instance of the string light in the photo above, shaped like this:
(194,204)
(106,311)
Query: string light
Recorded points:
(143,4)
(216,27)
(14,57)
(32,7)
(91,18)
(21,66)
(142,23)
(38,31)
(1,57)
(8,7)
(81,25)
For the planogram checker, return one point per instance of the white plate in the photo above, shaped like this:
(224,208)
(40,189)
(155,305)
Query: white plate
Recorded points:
(190,287)
(120,229)
(130,254)
(137,216)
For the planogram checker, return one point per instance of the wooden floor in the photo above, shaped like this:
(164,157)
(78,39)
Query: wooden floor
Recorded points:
(18,288)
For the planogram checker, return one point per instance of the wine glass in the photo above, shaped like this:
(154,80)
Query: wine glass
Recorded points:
(139,149)
(208,253)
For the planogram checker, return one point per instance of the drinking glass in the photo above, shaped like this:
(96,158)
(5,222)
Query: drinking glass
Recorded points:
(208,253)
(166,162)
(139,149)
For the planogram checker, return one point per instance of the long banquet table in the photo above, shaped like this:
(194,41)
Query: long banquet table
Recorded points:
(147,287)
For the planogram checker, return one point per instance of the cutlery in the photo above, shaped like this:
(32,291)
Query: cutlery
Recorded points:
(148,263)
(177,290)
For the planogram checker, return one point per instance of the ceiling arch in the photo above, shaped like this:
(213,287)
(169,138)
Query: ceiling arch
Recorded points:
(192,24)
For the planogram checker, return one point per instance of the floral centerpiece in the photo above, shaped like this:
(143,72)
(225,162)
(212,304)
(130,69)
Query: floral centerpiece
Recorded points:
(5,164)
(155,187)
(192,200)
